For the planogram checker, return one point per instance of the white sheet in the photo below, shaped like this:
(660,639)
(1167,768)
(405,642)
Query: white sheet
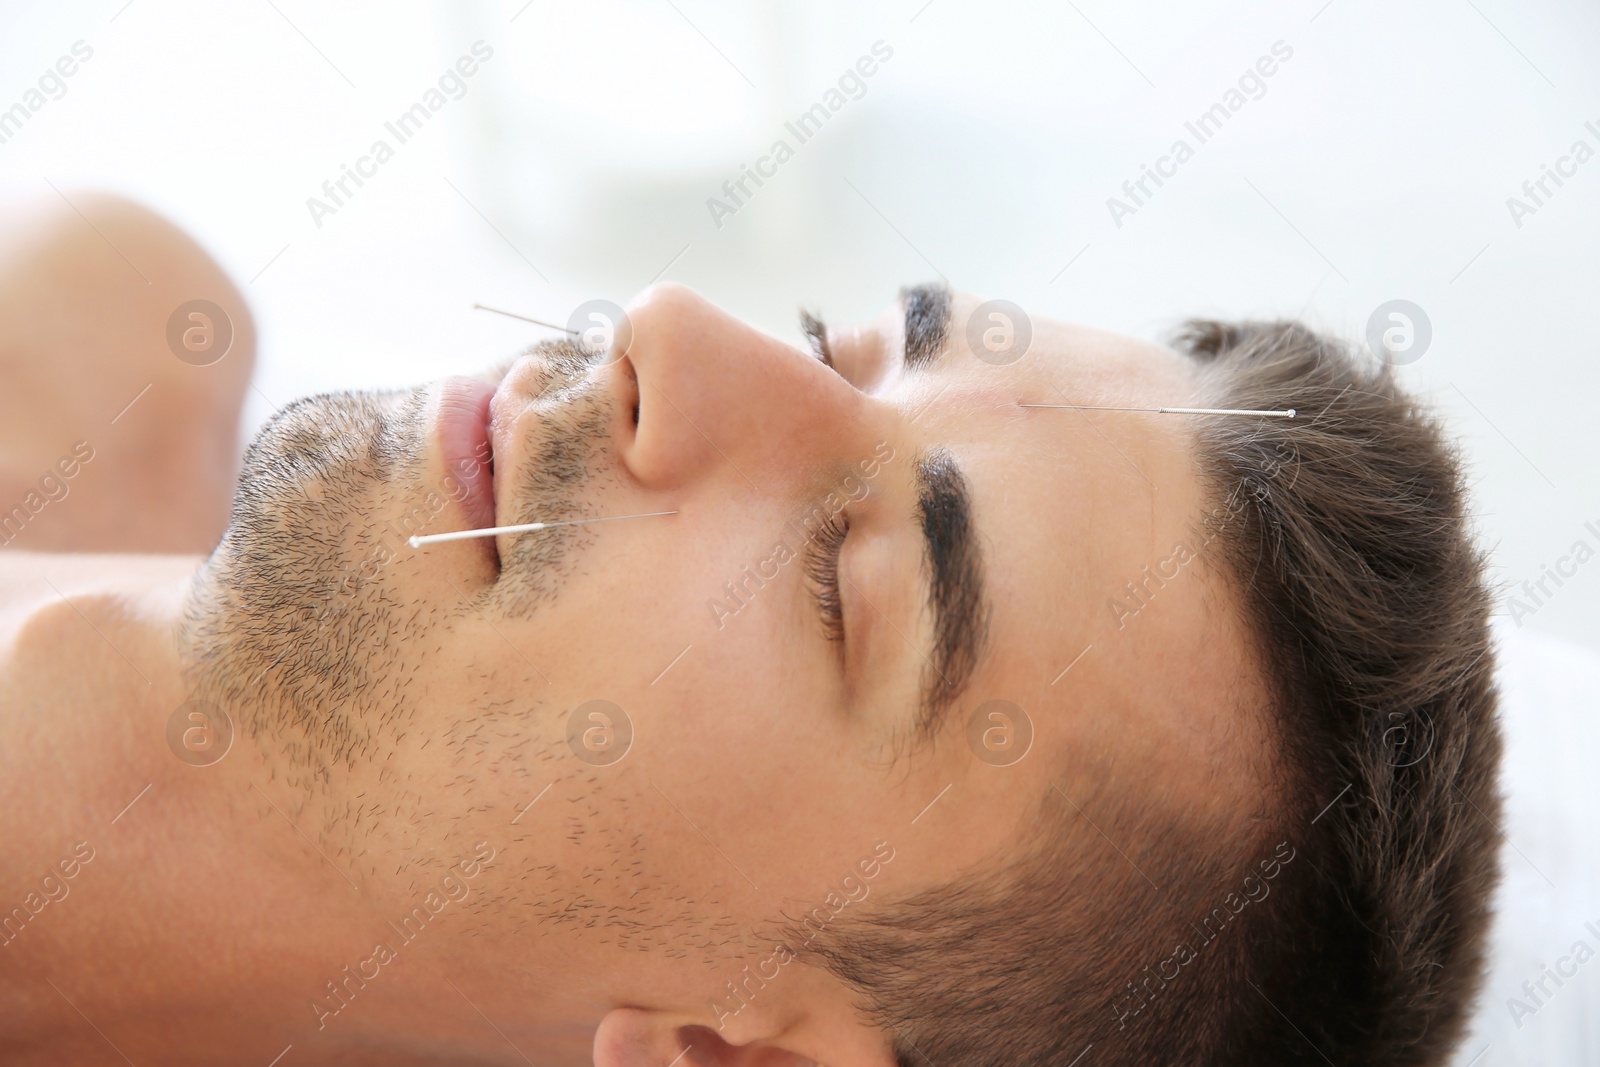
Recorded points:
(1550,895)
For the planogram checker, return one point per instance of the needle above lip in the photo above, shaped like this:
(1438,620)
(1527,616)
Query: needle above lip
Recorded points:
(524,318)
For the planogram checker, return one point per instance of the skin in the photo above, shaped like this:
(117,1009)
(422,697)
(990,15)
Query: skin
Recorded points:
(389,738)
(85,308)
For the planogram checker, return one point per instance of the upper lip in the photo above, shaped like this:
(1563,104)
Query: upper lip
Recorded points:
(522,385)
(499,425)
(510,399)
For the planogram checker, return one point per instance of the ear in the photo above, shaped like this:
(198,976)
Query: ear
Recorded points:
(634,1037)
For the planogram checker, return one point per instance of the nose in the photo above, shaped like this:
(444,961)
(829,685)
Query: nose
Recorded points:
(719,399)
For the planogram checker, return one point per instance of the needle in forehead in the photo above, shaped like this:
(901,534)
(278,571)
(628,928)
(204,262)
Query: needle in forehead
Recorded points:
(525,527)
(1287,413)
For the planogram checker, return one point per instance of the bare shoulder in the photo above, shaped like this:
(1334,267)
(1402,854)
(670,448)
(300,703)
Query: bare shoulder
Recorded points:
(124,341)
(45,597)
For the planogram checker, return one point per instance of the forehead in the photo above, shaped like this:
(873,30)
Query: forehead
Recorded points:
(1079,495)
(1106,628)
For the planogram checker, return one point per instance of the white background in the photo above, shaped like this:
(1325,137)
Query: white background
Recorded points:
(578,164)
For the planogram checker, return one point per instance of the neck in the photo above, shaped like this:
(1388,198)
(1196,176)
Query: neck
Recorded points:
(188,910)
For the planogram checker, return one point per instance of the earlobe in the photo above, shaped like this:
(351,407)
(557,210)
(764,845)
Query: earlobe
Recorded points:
(629,1037)
(635,1037)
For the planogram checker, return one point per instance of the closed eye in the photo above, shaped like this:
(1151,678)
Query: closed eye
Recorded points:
(822,573)
(816,332)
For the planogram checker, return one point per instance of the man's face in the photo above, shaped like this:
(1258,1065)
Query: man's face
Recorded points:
(858,561)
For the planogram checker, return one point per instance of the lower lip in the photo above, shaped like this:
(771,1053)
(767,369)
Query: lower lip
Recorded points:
(464,446)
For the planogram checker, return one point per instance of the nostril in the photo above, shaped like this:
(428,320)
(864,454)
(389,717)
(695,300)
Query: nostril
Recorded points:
(627,368)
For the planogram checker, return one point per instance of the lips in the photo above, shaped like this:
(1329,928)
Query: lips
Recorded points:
(465,448)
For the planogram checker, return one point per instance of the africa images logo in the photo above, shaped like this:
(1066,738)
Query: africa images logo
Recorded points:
(403,128)
(802,129)
(1205,126)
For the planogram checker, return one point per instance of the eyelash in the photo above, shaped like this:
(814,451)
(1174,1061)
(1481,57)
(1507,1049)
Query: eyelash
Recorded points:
(816,332)
(822,553)
(822,570)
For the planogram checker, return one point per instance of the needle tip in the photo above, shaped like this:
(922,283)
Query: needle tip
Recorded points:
(1291,413)
(412,541)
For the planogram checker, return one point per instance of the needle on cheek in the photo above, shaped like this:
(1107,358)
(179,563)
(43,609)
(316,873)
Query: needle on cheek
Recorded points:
(526,527)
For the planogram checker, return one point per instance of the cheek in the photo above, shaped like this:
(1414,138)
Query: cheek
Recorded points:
(697,612)
(739,726)
(746,739)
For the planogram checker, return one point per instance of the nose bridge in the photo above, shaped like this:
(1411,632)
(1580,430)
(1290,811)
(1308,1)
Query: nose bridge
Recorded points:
(715,392)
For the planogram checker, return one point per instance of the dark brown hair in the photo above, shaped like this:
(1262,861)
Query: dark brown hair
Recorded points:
(1348,545)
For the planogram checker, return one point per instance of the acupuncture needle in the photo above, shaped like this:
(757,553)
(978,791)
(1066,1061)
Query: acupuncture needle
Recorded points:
(1287,413)
(524,318)
(524,527)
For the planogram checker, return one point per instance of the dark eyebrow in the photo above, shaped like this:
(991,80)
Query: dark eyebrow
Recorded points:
(955,588)
(927,323)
